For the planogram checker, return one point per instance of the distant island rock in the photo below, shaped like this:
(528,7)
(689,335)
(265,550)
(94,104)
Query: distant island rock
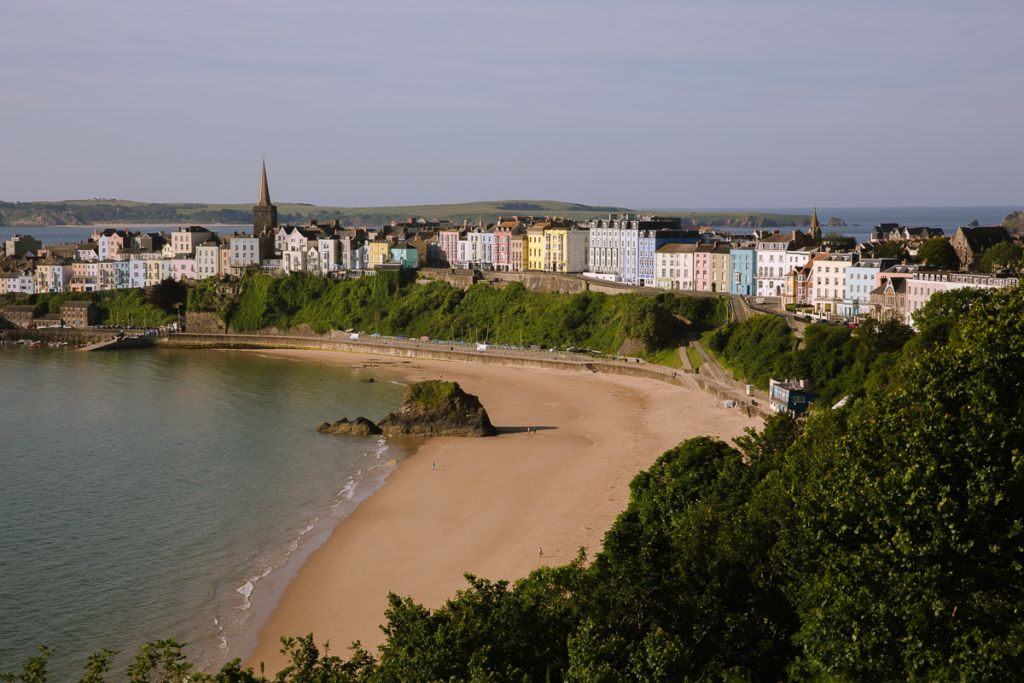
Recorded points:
(430,408)
(835,222)
(357,427)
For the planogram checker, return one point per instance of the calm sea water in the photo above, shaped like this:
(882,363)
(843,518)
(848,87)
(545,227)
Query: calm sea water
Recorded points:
(167,494)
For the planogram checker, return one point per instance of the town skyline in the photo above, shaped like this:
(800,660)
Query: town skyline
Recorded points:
(648,105)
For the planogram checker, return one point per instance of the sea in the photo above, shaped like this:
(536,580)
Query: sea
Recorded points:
(157,494)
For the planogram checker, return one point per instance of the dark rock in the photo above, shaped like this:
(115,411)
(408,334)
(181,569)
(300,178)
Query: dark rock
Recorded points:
(437,408)
(357,427)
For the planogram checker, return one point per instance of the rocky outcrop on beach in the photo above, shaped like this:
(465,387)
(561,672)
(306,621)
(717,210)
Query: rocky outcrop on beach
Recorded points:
(438,408)
(430,408)
(357,427)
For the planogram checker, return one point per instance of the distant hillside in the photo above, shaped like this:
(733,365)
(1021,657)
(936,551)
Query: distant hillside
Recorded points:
(92,211)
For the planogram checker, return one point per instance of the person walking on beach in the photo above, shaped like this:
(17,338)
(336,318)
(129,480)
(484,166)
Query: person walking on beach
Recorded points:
(540,552)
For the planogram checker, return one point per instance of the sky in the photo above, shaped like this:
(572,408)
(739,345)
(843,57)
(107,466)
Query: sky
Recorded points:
(642,103)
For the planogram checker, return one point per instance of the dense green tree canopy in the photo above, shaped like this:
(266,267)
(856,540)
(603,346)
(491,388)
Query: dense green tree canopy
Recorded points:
(1005,256)
(938,252)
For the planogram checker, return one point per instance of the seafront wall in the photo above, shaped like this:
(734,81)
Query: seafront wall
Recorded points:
(73,336)
(426,350)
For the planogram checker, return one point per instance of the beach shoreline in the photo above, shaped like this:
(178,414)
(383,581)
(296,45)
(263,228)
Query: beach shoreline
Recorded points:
(495,507)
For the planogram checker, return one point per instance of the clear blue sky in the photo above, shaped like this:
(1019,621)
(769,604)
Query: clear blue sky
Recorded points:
(682,103)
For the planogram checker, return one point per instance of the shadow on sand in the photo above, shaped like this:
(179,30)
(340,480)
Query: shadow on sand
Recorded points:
(522,430)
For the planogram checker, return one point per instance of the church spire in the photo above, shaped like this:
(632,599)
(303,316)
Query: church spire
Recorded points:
(815,230)
(264,214)
(264,187)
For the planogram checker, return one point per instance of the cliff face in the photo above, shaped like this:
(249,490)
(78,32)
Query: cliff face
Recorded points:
(436,408)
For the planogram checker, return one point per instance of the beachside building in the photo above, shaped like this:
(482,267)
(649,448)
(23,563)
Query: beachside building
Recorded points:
(185,240)
(247,250)
(830,282)
(773,263)
(889,299)
(79,313)
(648,243)
(517,250)
(743,269)
(924,284)
(790,396)
(614,247)
(448,246)
(19,316)
(721,269)
(379,251)
(565,249)
(861,279)
(674,266)
(110,241)
(536,255)
(406,256)
(52,277)
(207,260)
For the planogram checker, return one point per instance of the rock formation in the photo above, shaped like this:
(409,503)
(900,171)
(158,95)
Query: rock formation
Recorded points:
(437,408)
(431,408)
(357,427)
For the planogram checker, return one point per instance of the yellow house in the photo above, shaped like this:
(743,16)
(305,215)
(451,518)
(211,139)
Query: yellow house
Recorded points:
(378,252)
(536,255)
(720,268)
(566,249)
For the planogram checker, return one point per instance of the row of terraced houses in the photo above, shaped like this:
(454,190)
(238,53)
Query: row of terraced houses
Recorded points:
(801,269)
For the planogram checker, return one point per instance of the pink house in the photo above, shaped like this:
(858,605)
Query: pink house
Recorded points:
(448,247)
(702,267)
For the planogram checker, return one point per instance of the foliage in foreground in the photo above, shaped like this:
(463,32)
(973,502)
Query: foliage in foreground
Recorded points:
(880,541)
(389,303)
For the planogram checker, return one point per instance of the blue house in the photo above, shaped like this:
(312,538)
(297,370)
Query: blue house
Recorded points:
(743,264)
(406,256)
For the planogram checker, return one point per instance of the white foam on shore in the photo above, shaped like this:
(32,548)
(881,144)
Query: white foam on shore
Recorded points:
(348,496)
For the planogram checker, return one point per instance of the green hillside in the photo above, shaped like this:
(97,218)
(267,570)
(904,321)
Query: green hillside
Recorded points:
(92,211)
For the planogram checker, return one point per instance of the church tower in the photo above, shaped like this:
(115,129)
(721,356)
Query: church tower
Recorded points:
(814,232)
(264,214)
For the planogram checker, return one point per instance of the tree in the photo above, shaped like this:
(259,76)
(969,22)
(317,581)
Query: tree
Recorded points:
(889,249)
(938,252)
(905,555)
(167,295)
(1005,256)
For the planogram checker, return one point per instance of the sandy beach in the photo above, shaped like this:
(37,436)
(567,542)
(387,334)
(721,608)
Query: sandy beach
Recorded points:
(486,506)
